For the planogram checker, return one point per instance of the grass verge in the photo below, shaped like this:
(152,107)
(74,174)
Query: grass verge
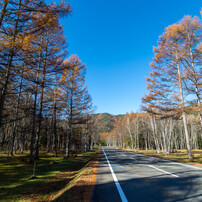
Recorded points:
(81,187)
(179,156)
(53,174)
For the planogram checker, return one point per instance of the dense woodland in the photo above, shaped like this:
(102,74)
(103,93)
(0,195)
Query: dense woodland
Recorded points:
(45,104)
(44,101)
(173,115)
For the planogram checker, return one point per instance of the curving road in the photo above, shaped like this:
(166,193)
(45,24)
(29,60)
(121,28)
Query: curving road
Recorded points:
(128,176)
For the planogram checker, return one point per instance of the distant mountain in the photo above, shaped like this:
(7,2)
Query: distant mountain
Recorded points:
(105,122)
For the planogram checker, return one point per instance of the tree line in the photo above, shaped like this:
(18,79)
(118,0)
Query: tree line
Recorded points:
(44,101)
(172,105)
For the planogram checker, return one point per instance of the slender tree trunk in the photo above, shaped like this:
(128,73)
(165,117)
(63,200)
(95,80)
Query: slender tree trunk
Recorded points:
(48,142)
(68,144)
(189,150)
(146,144)
(34,112)
(55,126)
(130,134)
(194,75)
(55,116)
(22,141)
(164,128)
(3,139)
(149,139)
(8,67)
(69,134)
(3,11)
(155,134)
(16,116)
(33,126)
(137,135)
(41,107)
(39,126)
(131,139)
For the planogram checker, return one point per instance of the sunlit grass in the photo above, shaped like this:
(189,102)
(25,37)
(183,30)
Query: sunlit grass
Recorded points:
(179,155)
(53,173)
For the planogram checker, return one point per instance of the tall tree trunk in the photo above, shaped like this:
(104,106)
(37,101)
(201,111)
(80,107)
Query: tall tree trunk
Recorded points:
(16,116)
(196,87)
(41,107)
(189,150)
(55,126)
(33,125)
(153,125)
(165,134)
(34,112)
(68,140)
(3,11)
(55,116)
(8,67)
(69,133)
(130,134)
(137,135)
(194,76)
(3,139)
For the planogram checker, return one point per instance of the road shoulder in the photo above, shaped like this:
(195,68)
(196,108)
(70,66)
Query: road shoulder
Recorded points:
(81,187)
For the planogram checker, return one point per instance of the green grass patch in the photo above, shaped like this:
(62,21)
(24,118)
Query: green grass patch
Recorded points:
(53,174)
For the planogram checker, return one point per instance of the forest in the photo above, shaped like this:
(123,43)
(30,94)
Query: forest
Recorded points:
(45,104)
(44,101)
(171,116)
(52,139)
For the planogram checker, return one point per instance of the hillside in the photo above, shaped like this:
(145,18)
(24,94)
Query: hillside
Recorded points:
(105,122)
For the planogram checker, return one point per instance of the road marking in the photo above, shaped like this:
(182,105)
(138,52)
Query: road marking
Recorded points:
(132,158)
(117,167)
(163,171)
(156,158)
(181,164)
(184,165)
(118,186)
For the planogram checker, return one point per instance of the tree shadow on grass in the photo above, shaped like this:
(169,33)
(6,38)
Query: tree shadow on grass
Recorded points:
(52,176)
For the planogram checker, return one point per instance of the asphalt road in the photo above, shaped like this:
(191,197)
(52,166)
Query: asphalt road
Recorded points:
(127,176)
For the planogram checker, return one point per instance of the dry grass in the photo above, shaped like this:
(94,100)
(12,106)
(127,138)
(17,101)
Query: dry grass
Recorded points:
(179,155)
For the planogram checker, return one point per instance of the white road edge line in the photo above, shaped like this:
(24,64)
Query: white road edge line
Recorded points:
(185,165)
(173,162)
(163,171)
(118,186)
(132,158)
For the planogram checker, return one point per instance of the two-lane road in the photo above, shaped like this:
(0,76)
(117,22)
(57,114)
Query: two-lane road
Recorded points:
(127,176)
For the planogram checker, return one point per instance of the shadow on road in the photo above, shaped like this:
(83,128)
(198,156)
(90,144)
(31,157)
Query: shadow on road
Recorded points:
(140,186)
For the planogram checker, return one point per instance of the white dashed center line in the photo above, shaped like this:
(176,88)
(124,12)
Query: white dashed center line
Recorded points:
(163,171)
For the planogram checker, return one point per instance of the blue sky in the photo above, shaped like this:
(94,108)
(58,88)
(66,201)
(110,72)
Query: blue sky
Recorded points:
(115,39)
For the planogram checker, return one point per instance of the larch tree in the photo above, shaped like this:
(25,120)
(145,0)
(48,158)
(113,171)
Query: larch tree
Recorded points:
(77,99)
(32,106)
(53,55)
(21,21)
(191,57)
(167,89)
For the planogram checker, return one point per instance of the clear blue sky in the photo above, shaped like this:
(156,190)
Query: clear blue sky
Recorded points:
(115,39)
